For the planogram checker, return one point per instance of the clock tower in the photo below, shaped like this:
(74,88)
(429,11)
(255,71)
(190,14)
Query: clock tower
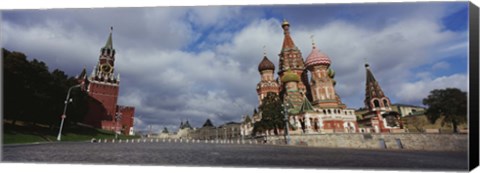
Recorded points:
(107,56)
(103,88)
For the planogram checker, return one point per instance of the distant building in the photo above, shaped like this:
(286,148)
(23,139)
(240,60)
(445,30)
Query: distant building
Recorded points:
(184,131)
(408,110)
(230,130)
(246,128)
(207,132)
(102,86)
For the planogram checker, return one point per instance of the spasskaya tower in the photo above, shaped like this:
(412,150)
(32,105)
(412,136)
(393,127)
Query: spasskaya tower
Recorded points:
(103,88)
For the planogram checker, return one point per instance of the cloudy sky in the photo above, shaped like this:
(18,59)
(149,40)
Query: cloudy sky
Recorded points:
(179,63)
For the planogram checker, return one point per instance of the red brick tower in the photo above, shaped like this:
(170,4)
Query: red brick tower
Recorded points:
(291,59)
(103,88)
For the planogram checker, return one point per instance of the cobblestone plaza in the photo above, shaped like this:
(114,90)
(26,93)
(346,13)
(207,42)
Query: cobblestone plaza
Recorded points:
(152,152)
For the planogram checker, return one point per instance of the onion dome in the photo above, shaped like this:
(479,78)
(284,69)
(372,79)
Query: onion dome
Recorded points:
(265,64)
(317,58)
(331,73)
(290,76)
(285,22)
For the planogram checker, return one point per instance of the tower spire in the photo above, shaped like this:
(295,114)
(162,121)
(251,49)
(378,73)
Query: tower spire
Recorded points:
(287,41)
(373,91)
(313,41)
(109,43)
(264,51)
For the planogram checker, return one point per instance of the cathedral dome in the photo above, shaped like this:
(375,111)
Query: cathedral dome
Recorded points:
(290,77)
(317,58)
(265,64)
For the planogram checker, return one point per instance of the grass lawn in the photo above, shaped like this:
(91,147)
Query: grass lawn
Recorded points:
(29,133)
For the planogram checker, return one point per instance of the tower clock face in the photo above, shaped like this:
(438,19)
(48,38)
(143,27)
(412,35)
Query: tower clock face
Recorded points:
(106,68)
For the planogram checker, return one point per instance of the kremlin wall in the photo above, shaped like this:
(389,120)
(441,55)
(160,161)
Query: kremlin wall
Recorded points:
(391,141)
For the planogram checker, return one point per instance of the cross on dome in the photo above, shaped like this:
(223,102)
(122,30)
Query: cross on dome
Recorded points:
(313,40)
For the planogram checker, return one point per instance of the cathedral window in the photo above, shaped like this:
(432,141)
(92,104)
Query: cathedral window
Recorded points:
(376,103)
(385,103)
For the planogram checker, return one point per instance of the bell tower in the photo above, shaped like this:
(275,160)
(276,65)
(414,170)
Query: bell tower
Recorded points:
(375,99)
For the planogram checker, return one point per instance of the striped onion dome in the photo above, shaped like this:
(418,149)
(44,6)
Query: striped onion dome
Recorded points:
(317,58)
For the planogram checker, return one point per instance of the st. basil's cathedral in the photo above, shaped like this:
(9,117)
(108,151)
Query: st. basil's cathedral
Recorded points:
(314,105)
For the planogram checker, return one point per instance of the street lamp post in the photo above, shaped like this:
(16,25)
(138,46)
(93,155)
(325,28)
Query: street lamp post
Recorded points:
(118,117)
(59,137)
(285,112)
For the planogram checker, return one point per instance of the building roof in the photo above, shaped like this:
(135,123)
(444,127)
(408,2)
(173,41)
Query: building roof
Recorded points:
(109,43)
(83,73)
(372,88)
(265,64)
(290,76)
(317,57)
(208,123)
(306,106)
(287,40)
(247,119)
(185,125)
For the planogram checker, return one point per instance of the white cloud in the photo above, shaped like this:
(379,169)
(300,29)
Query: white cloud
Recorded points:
(416,91)
(442,65)
(167,82)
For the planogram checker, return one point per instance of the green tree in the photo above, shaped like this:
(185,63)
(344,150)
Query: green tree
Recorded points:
(35,95)
(449,102)
(272,115)
(16,93)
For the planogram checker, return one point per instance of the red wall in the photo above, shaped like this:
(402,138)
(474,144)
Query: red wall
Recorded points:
(127,117)
(102,104)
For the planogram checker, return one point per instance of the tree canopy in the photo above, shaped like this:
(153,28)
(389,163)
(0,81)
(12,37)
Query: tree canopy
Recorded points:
(34,94)
(272,116)
(449,102)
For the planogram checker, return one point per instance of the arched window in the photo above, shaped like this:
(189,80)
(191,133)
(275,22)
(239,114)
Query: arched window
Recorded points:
(324,111)
(376,103)
(385,103)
